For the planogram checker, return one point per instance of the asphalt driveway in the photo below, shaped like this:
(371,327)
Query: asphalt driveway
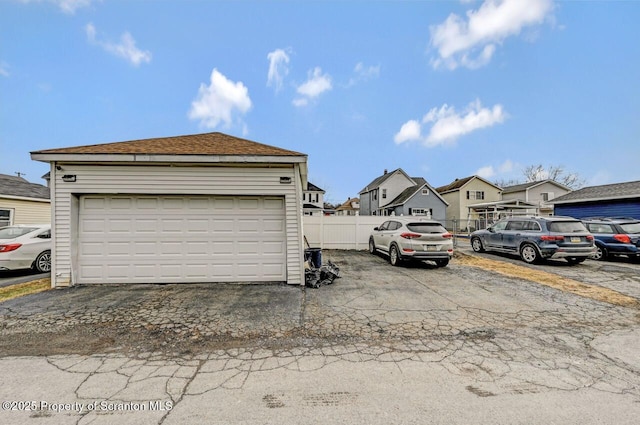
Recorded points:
(416,344)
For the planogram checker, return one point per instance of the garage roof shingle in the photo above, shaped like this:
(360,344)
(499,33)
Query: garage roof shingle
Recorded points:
(195,144)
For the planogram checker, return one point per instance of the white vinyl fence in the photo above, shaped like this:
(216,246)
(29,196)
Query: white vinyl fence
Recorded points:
(340,232)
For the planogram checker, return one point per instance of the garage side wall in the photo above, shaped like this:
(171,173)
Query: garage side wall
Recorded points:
(169,180)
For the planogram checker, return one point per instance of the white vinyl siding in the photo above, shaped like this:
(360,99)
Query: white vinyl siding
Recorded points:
(27,212)
(245,180)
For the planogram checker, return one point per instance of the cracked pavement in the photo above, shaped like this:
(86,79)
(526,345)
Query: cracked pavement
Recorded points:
(414,344)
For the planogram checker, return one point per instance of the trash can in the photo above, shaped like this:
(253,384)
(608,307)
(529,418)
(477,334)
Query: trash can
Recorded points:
(314,256)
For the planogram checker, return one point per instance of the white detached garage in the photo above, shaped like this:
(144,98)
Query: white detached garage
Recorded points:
(186,209)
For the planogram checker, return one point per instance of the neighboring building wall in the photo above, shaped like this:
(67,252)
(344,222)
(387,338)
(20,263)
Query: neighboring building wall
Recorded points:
(491,194)
(427,202)
(535,195)
(553,191)
(137,179)
(430,202)
(453,210)
(365,203)
(613,208)
(393,186)
(309,197)
(27,212)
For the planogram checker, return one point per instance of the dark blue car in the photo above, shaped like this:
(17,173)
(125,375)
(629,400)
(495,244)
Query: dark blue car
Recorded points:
(615,236)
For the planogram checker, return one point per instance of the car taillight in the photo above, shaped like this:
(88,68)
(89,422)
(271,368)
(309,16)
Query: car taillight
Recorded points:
(447,236)
(622,238)
(551,238)
(589,237)
(10,247)
(408,235)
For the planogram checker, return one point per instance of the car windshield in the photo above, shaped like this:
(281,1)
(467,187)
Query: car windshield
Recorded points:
(567,227)
(426,228)
(14,232)
(631,227)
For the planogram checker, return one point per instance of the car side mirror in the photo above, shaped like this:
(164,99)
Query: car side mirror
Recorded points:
(491,229)
(376,228)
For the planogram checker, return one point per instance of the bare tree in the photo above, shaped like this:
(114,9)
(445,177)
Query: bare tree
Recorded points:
(556,173)
(538,172)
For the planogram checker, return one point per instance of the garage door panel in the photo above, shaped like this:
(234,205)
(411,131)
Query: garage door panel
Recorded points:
(146,239)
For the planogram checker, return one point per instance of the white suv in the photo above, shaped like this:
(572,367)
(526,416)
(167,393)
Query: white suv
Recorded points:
(404,238)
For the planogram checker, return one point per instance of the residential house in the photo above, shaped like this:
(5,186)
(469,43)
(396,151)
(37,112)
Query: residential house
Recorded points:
(22,202)
(538,193)
(200,208)
(395,193)
(609,200)
(472,202)
(350,207)
(313,200)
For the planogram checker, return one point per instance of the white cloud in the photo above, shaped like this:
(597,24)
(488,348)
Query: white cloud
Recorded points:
(278,68)
(486,172)
(408,132)
(67,6)
(472,42)
(490,171)
(316,84)
(126,49)
(363,73)
(506,167)
(447,125)
(4,69)
(218,102)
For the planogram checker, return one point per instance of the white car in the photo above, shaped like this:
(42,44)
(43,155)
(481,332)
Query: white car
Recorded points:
(26,246)
(413,238)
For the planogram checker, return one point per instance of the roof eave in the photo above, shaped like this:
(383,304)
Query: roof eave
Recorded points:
(25,198)
(604,198)
(152,158)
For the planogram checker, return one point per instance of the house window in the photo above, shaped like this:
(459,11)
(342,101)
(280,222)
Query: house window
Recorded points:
(375,195)
(547,196)
(475,194)
(384,193)
(316,198)
(304,196)
(421,211)
(5,217)
(425,191)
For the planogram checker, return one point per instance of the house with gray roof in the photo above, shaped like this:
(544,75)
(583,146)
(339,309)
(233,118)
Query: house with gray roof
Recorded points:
(396,193)
(539,193)
(609,200)
(22,202)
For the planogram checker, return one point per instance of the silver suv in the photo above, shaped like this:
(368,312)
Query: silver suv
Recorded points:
(537,238)
(412,238)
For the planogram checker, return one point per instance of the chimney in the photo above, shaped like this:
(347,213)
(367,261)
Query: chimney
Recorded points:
(385,171)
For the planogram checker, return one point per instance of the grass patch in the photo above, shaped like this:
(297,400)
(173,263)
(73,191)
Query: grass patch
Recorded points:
(27,288)
(551,280)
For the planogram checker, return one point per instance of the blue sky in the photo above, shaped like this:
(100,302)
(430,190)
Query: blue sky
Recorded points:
(443,89)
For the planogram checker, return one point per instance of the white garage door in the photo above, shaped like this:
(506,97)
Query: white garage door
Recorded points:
(175,239)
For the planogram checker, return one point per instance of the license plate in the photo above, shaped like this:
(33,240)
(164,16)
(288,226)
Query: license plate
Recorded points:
(430,248)
(575,240)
